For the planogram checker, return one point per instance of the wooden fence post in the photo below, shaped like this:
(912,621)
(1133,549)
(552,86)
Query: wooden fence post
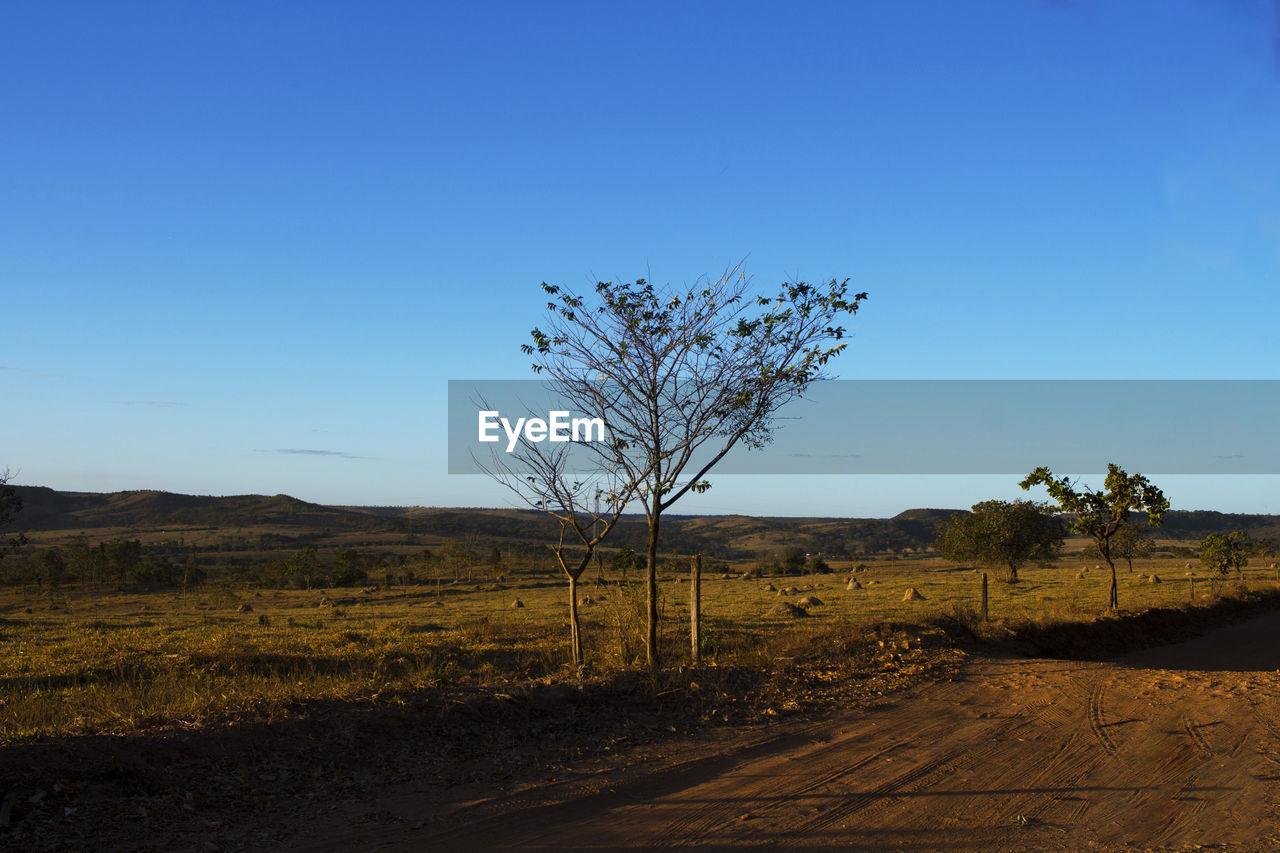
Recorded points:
(695,607)
(984,597)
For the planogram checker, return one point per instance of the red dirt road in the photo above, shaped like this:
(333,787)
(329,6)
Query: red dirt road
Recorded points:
(1012,754)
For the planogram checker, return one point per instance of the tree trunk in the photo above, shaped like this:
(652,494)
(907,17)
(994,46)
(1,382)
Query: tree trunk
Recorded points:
(575,629)
(1104,550)
(695,607)
(651,634)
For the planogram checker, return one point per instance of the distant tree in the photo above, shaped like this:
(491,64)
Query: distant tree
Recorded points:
(392,568)
(455,557)
(626,560)
(50,566)
(84,561)
(10,506)
(1132,542)
(817,566)
(121,558)
(302,568)
(349,568)
(1100,514)
(192,575)
(1002,534)
(793,560)
(348,575)
(1223,552)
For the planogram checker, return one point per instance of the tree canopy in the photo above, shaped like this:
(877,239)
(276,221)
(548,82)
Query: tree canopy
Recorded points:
(1101,513)
(1223,552)
(10,506)
(680,375)
(1002,534)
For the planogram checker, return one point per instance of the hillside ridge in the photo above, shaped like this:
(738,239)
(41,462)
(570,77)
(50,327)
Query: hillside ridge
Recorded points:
(726,535)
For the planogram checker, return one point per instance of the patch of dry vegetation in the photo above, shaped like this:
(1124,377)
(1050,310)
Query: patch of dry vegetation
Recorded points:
(88,660)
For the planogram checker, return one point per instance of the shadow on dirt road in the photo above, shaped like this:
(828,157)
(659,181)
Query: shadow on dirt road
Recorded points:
(1170,747)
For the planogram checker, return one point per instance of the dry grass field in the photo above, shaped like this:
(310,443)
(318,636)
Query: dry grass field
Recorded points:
(92,659)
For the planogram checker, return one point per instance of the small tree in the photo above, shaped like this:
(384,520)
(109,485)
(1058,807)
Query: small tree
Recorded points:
(1002,534)
(681,376)
(455,557)
(10,506)
(793,560)
(302,567)
(1101,514)
(624,561)
(122,558)
(1223,552)
(84,561)
(50,566)
(541,477)
(1132,542)
(349,568)
(817,566)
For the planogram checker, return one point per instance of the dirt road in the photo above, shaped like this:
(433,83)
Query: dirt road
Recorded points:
(1012,754)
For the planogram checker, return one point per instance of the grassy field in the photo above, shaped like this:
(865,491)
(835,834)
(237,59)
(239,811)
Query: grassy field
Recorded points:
(88,659)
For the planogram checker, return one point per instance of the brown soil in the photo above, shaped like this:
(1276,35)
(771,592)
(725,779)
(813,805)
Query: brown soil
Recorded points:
(1163,749)
(1009,754)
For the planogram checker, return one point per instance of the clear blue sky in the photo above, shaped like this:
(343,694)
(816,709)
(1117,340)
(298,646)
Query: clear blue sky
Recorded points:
(229,230)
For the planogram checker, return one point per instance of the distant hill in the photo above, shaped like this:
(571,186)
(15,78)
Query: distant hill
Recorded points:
(932,516)
(725,536)
(48,509)
(1196,524)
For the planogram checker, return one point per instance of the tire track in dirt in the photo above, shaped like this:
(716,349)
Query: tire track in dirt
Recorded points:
(1163,758)
(908,782)
(1197,736)
(1097,719)
(1073,758)
(1163,755)
(538,811)
(1049,795)
(1183,766)
(717,814)
(713,814)
(1264,720)
(921,778)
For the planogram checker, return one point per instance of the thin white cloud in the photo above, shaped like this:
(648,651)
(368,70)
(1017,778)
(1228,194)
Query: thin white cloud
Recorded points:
(296,451)
(159,404)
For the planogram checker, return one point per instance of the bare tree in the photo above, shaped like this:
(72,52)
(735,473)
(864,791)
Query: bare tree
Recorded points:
(10,506)
(680,376)
(542,477)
